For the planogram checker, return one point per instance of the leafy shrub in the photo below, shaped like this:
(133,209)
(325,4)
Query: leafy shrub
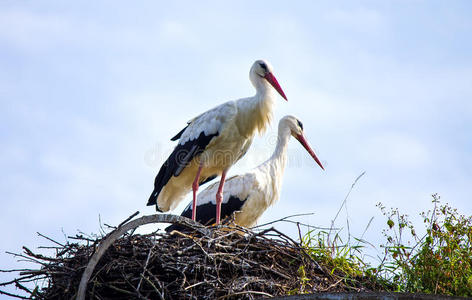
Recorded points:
(439,262)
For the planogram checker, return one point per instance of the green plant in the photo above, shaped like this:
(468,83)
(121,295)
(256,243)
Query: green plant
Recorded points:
(344,261)
(333,253)
(439,262)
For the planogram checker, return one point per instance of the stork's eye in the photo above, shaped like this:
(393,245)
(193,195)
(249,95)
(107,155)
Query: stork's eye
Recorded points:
(300,124)
(263,66)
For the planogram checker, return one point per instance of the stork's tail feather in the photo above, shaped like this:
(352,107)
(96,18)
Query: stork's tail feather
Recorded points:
(153,201)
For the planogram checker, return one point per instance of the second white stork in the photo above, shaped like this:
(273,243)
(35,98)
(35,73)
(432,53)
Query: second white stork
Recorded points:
(213,141)
(247,196)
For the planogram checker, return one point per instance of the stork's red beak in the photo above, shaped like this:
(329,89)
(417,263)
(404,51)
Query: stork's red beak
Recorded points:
(271,79)
(305,144)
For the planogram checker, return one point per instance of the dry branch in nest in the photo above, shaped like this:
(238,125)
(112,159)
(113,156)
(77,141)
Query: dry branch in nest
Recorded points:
(209,263)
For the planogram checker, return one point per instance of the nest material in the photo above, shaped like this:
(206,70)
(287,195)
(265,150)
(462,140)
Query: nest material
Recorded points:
(220,264)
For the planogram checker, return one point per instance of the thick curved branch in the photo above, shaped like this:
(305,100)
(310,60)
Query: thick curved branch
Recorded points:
(115,234)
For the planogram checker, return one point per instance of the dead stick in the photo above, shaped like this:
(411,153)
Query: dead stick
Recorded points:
(13,295)
(50,239)
(245,292)
(145,266)
(129,218)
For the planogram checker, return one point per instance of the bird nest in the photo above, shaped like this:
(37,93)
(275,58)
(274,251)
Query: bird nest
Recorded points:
(203,263)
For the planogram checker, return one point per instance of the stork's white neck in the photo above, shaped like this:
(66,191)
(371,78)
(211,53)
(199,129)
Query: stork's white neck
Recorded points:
(262,86)
(255,113)
(274,167)
(279,157)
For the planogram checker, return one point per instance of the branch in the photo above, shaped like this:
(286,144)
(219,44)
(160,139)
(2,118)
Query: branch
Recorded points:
(115,234)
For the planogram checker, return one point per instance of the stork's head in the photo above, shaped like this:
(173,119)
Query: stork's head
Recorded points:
(296,130)
(261,71)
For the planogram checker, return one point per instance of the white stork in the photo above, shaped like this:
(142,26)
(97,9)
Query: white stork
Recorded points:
(250,194)
(213,141)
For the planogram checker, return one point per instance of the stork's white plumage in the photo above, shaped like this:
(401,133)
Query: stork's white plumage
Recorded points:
(213,141)
(250,194)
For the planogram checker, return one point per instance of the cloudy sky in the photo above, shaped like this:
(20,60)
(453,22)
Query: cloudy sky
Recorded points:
(91,93)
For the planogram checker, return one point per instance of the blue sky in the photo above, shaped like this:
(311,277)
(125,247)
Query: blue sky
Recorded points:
(91,93)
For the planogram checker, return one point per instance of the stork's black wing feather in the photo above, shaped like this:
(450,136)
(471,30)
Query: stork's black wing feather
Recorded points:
(182,155)
(178,135)
(206,213)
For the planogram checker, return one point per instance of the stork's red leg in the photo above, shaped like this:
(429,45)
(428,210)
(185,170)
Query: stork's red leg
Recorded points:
(219,197)
(195,189)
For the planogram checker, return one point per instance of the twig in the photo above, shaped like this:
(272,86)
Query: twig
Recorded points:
(129,218)
(145,266)
(282,219)
(245,292)
(194,285)
(13,295)
(154,287)
(332,285)
(49,239)
(299,233)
